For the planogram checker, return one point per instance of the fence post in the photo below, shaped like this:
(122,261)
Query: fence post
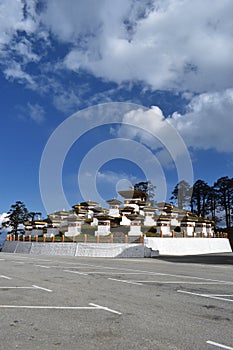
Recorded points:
(85,238)
(173,234)
(97,238)
(63,238)
(126,238)
(184,234)
(111,238)
(141,239)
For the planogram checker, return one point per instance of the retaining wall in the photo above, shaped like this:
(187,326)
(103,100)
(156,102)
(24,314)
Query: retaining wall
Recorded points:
(108,250)
(188,246)
(76,249)
(9,247)
(152,247)
(53,248)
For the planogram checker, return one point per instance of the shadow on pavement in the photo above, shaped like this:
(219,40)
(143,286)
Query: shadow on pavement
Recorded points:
(215,259)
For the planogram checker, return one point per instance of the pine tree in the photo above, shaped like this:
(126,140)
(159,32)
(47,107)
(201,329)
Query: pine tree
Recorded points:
(182,194)
(17,214)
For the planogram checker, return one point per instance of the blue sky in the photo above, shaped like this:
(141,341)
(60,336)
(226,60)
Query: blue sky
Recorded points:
(59,57)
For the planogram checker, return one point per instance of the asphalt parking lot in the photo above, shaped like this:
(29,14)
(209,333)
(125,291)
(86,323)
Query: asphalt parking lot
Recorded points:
(52,302)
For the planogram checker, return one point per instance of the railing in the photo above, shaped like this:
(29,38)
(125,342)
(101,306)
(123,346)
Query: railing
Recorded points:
(82,238)
(111,238)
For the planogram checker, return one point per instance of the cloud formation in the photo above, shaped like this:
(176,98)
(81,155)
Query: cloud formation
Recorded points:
(169,45)
(36,112)
(178,45)
(175,45)
(114,178)
(208,122)
(31,112)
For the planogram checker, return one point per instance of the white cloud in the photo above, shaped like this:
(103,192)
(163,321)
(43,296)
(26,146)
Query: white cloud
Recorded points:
(3,218)
(17,16)
(33,112)
(178,45)
(19,24)
(24,49)
(113,182)
(67,23)
(114,178)
(11,19)
(14,71)
(145,126)
(208,123)
(151,128)
(172,44)
(66,101)
(36,112)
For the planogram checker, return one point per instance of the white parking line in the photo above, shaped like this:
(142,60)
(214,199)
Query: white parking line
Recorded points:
(210,296)
(32,287)
(115,273)
(43,266)
(197,278)
(125,281)
(181,282)
(91,307)
(221,295)
(77,272)
(82,265)
(16,288)
(221,346)
(6,277)
(106,308)
(42,288)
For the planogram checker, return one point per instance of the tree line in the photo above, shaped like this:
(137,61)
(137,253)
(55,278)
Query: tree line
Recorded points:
(214,202)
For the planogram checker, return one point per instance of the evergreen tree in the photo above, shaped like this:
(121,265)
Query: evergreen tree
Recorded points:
(200,193)
(147,187)
(224,188)
(33,215)
(17,214)
(212,203)
(182,194)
